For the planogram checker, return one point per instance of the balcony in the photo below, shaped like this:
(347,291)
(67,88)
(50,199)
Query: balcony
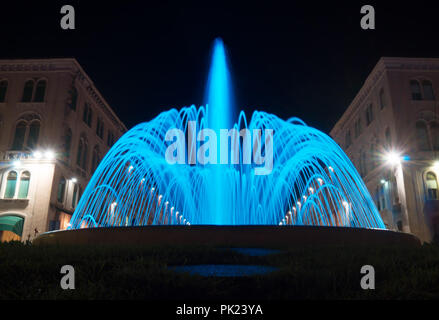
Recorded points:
(15,155)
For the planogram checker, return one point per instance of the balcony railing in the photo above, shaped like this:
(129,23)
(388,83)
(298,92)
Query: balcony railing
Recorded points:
(15,155)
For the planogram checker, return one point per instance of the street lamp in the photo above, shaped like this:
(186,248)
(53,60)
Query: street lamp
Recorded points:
(49,154)
(393,158)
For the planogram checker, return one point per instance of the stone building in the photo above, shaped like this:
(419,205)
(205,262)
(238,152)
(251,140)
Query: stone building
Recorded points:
(391,133)
(55,127)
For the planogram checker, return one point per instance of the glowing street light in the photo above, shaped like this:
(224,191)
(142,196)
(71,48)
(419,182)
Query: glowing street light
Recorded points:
(49,155)
(16,163)
(393,158)
(74,180)
(38,155)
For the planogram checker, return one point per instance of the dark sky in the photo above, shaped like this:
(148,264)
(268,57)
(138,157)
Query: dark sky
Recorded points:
(297,58)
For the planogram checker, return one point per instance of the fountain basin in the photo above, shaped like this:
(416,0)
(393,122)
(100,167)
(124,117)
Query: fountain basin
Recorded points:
(248,236)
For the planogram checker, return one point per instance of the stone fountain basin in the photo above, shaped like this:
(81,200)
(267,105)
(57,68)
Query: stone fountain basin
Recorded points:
(250,236)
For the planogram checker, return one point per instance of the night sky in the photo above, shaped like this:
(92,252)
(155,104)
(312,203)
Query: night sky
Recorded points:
(292,59)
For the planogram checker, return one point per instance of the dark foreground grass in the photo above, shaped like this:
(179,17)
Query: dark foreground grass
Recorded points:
(112,272)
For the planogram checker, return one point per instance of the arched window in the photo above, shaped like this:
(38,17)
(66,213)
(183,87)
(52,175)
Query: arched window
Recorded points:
(110,139)
(67,143)
(100,128)
(26,132)
(61,190)
(388,138)
(357,128)
(3,90)
(34,132)
(24,185)
(428,90)
(81,159)
(84,156)
(40,91)
(20,132)
(382,99)
(95,159)
(422,136)
(90,117)
(434,131)
(80,151)
(74,99)
(431,186)
(75,195)
(28,91)
(87,116)
(363,169)
(369,114)
(416,90)
(348,139)
(11,184)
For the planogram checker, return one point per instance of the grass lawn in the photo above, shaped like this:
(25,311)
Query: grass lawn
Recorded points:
(117,272)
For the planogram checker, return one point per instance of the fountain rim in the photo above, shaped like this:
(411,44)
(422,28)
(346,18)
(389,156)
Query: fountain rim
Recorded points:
(260,236)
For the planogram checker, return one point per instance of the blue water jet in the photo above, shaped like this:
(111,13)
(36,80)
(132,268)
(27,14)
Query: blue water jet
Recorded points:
(312,181)
(219,113)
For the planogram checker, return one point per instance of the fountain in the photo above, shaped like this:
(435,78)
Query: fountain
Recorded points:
(194,167)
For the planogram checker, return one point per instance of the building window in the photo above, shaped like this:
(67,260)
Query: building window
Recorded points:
(348,139)
(40,91)
(382,99)
(34,132)
(25,131)
(388,138)
(81,159)
(369,114)
(28,91)
(75,195)
(20,132)
(357,128)
(24,185)
(416,90)
(61,190)
(95,159)
(3,90)
(431,186)
(110,139)
(422,136)
(67,143)
(11,184)
(100,128)
(362,163)
(87,115)
(377,198)
(74,99)
(427,87)
(38,95)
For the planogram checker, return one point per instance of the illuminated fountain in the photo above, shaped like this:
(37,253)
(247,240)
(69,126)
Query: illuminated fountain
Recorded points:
(295,176)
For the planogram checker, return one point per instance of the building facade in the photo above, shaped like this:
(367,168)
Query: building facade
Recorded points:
(391,133)
(55,127)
